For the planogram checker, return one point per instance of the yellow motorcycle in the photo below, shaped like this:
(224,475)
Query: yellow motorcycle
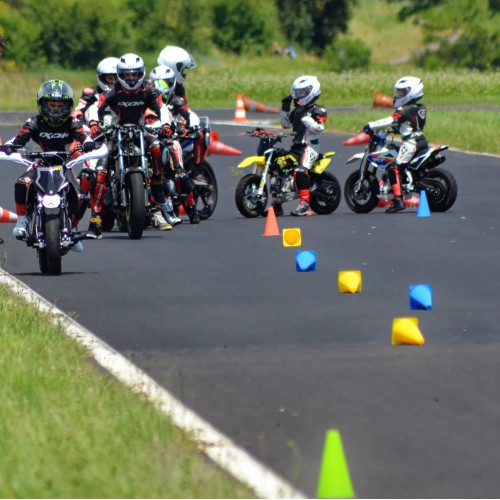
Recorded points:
(277,164)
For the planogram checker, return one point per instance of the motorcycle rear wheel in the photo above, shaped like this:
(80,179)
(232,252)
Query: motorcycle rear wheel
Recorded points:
(326,193)
(136,205)
(361,198)
(108,218)
(205,196)
(49,257)
(248,203)
(440,188)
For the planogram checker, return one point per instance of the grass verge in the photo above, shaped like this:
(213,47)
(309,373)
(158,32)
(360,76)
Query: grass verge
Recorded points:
(70,431)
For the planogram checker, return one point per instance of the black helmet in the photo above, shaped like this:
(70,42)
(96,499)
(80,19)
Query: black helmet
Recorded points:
(55,90)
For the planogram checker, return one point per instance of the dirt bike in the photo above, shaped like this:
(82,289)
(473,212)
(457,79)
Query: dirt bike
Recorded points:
(47,199)
(127,197)
(369,187)
(202,175)
(277,164)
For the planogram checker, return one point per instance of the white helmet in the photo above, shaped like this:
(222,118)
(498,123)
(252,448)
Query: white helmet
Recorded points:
(177,59)
(305,89)
(163,79)
(106,67)
(132,66)
(407,89)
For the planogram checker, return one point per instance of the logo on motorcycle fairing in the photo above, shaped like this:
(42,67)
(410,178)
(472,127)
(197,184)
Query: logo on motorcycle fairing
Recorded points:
(381,160)
(130,104)
(54,135)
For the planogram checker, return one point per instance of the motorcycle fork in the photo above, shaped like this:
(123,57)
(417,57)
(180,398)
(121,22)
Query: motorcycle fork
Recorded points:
(263,177)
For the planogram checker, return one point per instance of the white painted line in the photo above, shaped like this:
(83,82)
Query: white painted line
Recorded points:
(230,457)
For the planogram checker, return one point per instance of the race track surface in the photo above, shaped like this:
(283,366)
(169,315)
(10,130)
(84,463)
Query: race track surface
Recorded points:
(218,314)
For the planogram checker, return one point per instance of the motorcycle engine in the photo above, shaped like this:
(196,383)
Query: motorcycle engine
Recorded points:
(282,186)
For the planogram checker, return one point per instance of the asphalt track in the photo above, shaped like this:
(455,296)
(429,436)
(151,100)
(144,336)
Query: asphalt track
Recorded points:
(218,314)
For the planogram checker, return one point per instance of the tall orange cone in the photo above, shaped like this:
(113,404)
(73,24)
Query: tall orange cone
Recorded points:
(272,228)
(7,216)
(258,106)
(240,115)
(381,101)
(219,148)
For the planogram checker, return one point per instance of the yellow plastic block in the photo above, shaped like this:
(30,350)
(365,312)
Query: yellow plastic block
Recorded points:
(405,331)
(349,281)
(292,237)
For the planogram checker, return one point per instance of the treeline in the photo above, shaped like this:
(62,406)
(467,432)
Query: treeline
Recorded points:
(76,34)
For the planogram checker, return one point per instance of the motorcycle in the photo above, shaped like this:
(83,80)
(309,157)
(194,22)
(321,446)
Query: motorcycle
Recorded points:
(127,197)
(251,194)
(368,187)
(48,222)
(199,170)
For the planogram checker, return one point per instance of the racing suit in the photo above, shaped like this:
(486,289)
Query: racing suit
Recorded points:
(408,121)
(307,122)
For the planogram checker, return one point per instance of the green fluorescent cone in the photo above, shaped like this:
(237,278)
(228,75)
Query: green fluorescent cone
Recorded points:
(334,477)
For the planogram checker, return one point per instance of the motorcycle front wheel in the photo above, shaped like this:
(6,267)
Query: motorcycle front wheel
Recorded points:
(248,202)
(136,205)
(325,193)
(205,189)
(440,188)
(49,257)
(361,196)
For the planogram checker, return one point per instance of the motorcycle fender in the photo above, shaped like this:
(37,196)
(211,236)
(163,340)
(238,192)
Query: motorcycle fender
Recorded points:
(356,157)
(51,201)
(260,161)
(320,167)
(52,211)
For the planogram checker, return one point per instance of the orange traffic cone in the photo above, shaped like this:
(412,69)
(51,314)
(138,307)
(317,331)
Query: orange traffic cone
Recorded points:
(257,106)
(181,210)
(356,140)
(381,101)
(219,148)
(7,216)
(239,115)
(272,228)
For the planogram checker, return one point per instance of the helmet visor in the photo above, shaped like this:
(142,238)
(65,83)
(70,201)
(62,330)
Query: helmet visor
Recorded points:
(301,93)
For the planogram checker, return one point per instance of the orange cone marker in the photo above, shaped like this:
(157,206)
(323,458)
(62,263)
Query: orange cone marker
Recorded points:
(257,106)
(381,101)
(7,215)
(272,228)
(240,115)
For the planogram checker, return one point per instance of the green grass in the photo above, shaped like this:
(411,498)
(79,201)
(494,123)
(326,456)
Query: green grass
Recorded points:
(69,431)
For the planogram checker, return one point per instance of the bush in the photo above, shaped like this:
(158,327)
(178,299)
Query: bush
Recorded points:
(345,54)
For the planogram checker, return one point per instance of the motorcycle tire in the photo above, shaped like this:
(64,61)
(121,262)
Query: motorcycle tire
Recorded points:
(440,188)
(361,199)
(205,196)
(49,257)
(136,205)
(108,218)
(245,197)
(326,193)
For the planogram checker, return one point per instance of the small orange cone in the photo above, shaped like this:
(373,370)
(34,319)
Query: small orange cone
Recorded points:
(381,101)
(272,228)
(7,216)
(361,138)
(181,210)
(219,148)
(240,115)
(258,106)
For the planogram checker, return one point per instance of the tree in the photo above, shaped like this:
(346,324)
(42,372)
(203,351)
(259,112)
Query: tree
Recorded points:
(313,24)
(243,27)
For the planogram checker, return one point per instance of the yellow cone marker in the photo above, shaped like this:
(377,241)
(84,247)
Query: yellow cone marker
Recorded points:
(334,477)
(349,281)
(292,237)
(406,331)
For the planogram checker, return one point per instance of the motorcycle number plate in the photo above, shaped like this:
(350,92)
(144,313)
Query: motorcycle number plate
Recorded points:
(51,201)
